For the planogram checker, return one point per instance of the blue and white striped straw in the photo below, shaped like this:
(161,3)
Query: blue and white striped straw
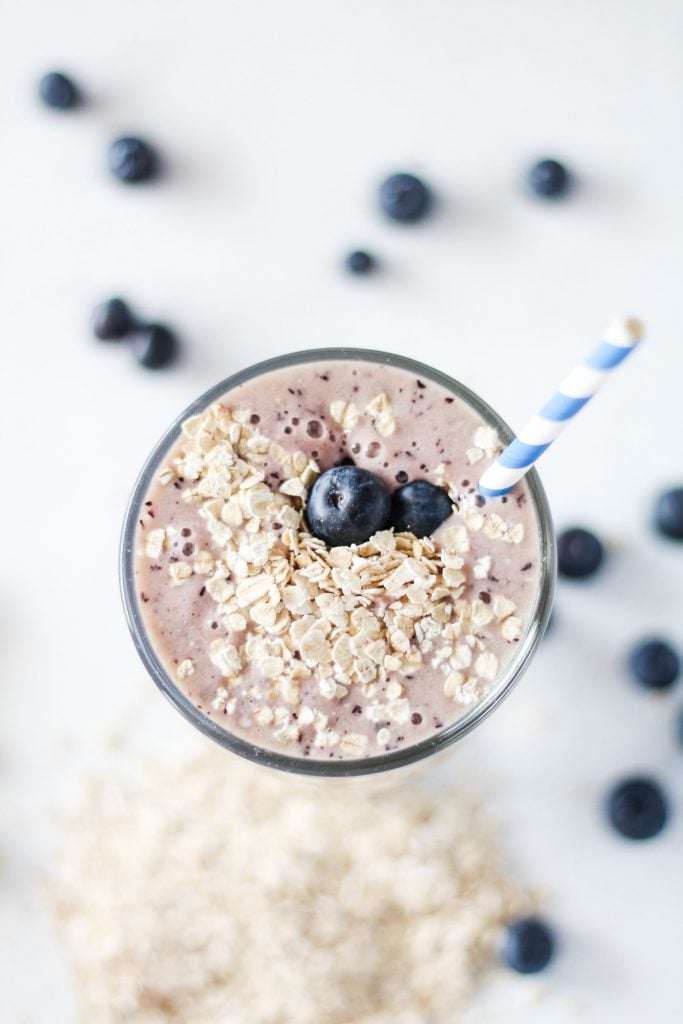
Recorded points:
(574,392)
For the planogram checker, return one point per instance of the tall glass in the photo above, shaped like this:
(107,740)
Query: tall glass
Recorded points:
(385,761)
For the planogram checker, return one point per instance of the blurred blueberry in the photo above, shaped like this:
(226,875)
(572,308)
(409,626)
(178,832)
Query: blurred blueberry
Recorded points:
(360,262)
(637,808)
(112,320)
(549,179)
(58,91)
(654,664)
(154,346)
(132,159)
(404,197)
(669,513)
(529,945)
(579,553)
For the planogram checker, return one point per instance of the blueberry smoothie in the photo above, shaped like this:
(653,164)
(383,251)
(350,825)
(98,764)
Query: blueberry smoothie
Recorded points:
(313,566)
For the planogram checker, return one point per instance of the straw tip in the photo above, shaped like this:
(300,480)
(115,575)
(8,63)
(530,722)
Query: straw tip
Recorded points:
(626,332)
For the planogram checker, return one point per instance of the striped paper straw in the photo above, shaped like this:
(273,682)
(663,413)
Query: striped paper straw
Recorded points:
(574,392)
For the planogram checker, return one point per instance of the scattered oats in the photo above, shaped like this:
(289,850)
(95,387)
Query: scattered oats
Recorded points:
(487,438)
(219,589)
(482,567)
(272,667)
(380,409)
(354,744)
(481,614)
(375,651)
(495,526)
(456,538)
(515,534)
(253,589)
(289,517)
(470,692)
(331,690)
(179,572)
(204,563)
(486,665)
(185,668)
(392,663)
(225,657)
(264,715)
(339,558)
(165,476)
(511,628)
(398,710)
(453,577)
(220,699)
(383,737)
(293,487)
(394,690)
(474,455)
(314,648)
(503,606)
(345,414)
(290,691)
(288,732)
(474,520)
(306,715)
(452,684)
(462,657)
(236,622)
(155,542)
(383,542)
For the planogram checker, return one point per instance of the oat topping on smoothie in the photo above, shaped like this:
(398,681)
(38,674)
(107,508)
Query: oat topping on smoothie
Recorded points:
(323,648)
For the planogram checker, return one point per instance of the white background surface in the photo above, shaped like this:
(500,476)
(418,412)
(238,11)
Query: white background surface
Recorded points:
(277,120)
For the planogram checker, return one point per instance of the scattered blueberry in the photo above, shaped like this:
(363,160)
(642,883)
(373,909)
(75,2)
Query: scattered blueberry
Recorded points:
(637,808)
(549,179)
(655,664)
(420,508)
(404,197)
(154,346)
(112,320)
(529,945)
(58,91)
(669,513)
(346,505)
(360,262)
(132,159)
(579,553)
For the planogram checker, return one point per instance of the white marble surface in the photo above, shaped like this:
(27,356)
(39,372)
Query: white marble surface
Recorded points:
(277,120)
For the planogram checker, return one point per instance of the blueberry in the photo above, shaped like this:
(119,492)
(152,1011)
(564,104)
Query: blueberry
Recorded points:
(346,505)
(58,91)
(529,945)
(637,808)
(360,262)
(404,197)
(579,553)
(420,508)
(132,159)
(112,320)
(549,178)
(654,664)
(669,513)
(154,346)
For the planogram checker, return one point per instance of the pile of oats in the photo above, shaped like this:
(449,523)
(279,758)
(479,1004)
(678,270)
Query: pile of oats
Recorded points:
(212,893)
(294,610)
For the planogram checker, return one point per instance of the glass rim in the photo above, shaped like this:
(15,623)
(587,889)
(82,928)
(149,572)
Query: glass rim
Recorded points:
(313,767)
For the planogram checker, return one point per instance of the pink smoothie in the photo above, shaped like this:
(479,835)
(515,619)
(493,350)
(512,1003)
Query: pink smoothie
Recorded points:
(344,652)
